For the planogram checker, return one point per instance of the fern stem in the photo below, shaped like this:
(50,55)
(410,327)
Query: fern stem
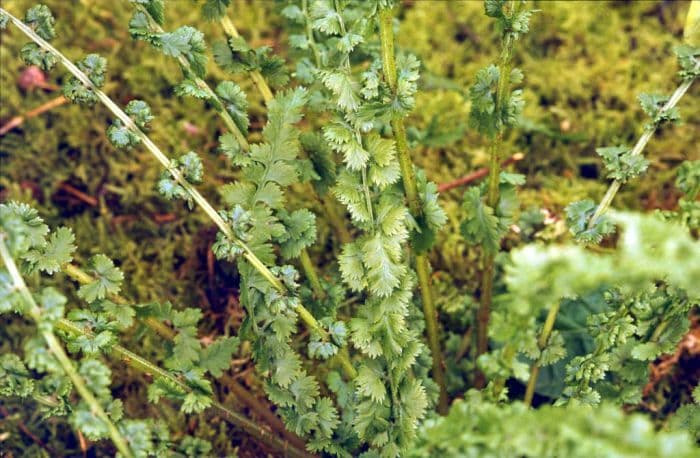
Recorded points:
(248,254)
(241,393)
(255,75)
(336,222)
(638,149)
(492,198)
(82,277)
(386,33)
(311,274)
(141,364)
(343,235)
(328,205)
(541,343)
(221,110)
(57,350)
(310,33)
(309,268)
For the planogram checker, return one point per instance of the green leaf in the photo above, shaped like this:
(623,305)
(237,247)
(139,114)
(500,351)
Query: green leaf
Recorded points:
(688,57)
(348,190)
(216,358)
(653,106)
(648,351)
(321,156)
(108,279)
(384,167)
(57,251)
(369,384)
(195,402)
(94,66)
(351,266)
(235,103)
(483,114)
(688,179)
(480,226)
(185,352)
(40,19)
(188,42)
(213,10)
(140,29)
(32,54)
(4,20)
(344,87)
(140,112)
(380,260)
(300,233)
(578,216)
(190,166)
(191,88)
(620,164)
(325,19)
(15,378)
(121,136)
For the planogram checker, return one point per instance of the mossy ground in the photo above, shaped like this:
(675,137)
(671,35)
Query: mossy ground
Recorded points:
(584,65)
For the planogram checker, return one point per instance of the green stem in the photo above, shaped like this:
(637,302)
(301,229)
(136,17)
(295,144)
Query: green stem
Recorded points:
(492,197)
(311,275)
(638,149)
(248,254)
(541,343)
(57,350)
(221,110)
(310,33)
(386,33)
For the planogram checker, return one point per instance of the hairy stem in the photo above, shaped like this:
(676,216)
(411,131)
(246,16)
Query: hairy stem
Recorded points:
(541,343)
(57,350)
(248,254)
(386,32)
(638,149)
(492,197)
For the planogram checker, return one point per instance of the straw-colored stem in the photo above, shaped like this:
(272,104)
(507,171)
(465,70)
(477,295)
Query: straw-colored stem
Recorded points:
(248,254)
(58,352)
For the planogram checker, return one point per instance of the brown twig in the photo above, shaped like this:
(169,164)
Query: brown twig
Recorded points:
(18,120)
(464,344)
(22,427)
(477,174)
(78,194)
(257,406)
(83,443)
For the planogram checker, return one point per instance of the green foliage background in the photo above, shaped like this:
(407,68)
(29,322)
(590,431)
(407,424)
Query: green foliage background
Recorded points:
(584,67)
